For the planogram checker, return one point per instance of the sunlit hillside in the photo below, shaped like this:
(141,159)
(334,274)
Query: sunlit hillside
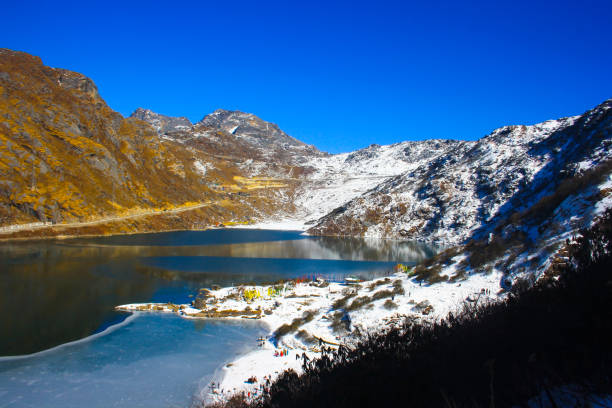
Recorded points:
(66,158)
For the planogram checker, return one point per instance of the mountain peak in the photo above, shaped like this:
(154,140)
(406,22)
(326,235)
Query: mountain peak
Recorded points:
(141,111)
(221,116)
(248,126)
(162,123)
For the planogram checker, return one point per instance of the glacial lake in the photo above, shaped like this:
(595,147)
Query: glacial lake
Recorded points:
(63,345)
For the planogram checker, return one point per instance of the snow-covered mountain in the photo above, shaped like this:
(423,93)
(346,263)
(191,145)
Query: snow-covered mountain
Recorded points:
(468,188)
(336,179)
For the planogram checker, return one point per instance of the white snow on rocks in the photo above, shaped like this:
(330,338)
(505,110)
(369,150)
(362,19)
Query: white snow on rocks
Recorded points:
(449,196)
(201,167)
(339,178)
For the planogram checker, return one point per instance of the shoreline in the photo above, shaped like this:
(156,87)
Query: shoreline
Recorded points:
(302,316)
(286,224)
(282,225)
(112,234)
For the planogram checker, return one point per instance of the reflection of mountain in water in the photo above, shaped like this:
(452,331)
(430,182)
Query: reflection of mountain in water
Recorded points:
(192,238)
(263,262)
(377,249)
(300,247)
(353,249)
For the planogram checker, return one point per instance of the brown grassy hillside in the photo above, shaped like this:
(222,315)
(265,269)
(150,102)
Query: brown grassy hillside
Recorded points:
(66,156)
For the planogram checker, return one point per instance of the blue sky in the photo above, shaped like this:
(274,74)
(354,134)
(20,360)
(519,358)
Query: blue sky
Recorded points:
(341,75)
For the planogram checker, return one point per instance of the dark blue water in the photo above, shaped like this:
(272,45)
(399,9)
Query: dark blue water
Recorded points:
(56,292)
(260,270)
(191,238)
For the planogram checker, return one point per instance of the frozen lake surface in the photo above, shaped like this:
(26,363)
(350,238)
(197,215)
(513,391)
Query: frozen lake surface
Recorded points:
(149,360)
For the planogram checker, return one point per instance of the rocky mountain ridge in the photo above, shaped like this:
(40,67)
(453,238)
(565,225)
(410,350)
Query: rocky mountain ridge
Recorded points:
(66,155)
(232,133)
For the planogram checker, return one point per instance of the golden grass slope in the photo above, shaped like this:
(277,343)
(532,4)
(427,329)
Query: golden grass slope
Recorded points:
(65,156)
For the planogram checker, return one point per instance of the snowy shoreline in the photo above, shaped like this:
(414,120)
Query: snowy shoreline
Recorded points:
(281,225)
(314,313)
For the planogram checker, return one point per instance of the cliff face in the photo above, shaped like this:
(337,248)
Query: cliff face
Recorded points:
(65,155)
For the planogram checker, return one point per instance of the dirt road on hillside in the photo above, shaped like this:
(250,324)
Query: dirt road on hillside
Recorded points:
(37,226)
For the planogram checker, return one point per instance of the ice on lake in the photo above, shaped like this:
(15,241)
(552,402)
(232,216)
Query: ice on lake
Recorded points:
(150,360)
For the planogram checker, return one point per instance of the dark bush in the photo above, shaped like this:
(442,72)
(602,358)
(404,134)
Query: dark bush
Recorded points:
(358,303)
(307,316)
(389,305)
(398,287)
(306,337)
(429,274)
(238,400)
(378,283)
(341,302)
(341,322)
(382,294)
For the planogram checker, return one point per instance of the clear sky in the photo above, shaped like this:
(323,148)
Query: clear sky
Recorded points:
(340,75)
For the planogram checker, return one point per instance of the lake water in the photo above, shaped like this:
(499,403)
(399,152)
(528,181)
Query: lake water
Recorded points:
(58,296)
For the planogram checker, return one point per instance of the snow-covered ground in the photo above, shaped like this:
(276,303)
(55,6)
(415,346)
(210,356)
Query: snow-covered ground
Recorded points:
(283,224)
(384,302)
(339,178)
